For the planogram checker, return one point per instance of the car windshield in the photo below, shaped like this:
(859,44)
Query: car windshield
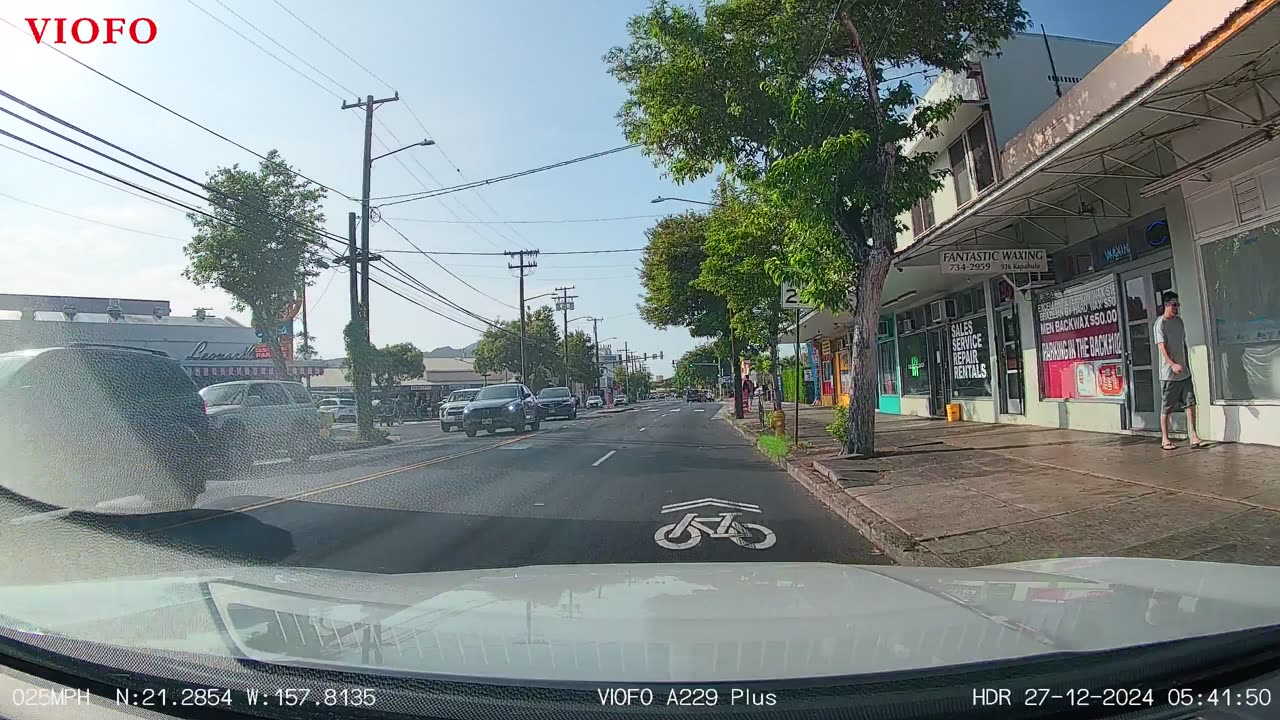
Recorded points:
(222,395)
(614,344)
(498,392)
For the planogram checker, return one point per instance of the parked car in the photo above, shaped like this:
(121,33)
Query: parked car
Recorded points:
(451,408)
(343,410)
(619,400)
(595,401)
(557,402)
(497,406)
(253,419)
(695,396)
(710,396)
(102,428)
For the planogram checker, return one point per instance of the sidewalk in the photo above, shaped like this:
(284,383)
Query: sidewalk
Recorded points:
(965,494)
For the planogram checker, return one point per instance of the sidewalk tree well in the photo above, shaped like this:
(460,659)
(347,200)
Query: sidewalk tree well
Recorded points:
(795,95)
(259,243)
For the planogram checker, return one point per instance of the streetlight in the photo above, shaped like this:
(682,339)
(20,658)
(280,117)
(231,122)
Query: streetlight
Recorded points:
(696,202)
(424,143)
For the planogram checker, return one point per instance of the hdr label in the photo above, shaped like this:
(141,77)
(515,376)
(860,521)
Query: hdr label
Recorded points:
(86,31)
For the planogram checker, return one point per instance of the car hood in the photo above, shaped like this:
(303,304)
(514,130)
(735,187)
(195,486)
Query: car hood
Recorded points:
(501,402)
(554,401)
(690,622)
(454,405)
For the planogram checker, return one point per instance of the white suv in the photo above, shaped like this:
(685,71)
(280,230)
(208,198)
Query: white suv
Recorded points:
(451,408)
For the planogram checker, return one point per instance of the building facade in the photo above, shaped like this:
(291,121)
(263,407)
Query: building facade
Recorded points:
(1025,289)
(210,348)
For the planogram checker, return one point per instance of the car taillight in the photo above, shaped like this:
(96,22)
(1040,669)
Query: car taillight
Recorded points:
(204,407)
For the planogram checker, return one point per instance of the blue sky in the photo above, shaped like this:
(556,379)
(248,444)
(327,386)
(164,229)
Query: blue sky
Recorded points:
(501,86)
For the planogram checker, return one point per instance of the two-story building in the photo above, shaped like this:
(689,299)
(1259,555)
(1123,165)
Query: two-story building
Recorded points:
(1024,289)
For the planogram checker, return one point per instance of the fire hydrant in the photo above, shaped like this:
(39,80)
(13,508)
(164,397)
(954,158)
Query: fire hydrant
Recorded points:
(778,421)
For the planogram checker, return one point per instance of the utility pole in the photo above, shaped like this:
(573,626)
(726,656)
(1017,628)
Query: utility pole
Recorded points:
(521,265)
(564,303)
(306,337)
(366,171)
(595,342)
(359,373)
(626,371)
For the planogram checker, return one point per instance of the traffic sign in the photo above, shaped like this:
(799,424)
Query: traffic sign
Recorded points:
(791,297)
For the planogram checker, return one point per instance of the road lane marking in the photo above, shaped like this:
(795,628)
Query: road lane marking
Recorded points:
(707,502)
(339,485)
(699,410)
(675,409)
(605,457)
(642,429)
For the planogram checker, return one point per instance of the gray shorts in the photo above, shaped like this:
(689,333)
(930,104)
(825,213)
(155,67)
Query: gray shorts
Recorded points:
(1176,395)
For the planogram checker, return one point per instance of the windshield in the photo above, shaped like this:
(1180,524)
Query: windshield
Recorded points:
(498,392)
(222,395)
(657,339)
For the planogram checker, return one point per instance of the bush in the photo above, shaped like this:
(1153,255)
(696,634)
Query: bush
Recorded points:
(774,447)
(839,427)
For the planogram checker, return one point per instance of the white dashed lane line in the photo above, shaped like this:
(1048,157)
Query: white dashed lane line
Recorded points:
(606,456)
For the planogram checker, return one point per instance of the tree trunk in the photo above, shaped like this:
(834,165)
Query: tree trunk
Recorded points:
(272,341)
(737,374)
(775,373)
(862,338)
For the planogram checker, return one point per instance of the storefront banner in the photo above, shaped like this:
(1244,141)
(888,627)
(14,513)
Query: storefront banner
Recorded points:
(1078,341)
(1016,260)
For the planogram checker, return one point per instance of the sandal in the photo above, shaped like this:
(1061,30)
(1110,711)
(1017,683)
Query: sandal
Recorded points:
(1168,446)
(1201,444)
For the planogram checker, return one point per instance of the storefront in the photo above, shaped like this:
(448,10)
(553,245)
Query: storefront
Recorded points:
(944,356)
(887,367)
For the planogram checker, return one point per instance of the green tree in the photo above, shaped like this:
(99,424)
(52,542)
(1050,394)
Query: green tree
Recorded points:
(582,358)
(259,243)
(698,368)
(393,364)
(499,349)
(797,96)
(306,349)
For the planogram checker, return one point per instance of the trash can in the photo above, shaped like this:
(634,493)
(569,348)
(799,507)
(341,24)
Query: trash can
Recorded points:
(953,412)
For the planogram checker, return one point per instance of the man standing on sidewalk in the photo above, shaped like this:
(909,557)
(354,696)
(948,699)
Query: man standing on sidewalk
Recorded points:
(1176,392)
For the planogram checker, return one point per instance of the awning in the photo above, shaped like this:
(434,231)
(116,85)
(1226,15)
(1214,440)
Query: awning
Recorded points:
(1214,81)
(243,370)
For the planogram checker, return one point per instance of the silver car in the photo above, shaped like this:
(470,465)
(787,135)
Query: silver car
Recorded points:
(253,419)
(451,408)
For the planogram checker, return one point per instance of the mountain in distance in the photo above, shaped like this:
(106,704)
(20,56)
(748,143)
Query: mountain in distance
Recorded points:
(449,352)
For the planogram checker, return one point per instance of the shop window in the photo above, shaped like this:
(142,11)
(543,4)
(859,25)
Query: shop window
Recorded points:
(913,357)
(960,172)
(970,357)
(887,367)
(1078,340)
(922,216)
(1244,309)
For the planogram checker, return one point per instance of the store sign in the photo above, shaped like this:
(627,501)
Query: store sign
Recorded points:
(199,353)
(993,262)
(1078,341)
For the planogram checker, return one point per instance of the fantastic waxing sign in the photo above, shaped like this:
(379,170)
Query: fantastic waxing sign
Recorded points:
(993,262)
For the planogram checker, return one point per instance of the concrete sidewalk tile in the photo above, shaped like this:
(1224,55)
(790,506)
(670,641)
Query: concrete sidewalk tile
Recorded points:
(929,511)
(1252,537)
(1097,531)
(1048,491)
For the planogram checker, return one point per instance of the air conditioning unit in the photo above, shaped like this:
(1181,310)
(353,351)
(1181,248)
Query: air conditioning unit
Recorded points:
(940,310)
(884,329)
(905,325)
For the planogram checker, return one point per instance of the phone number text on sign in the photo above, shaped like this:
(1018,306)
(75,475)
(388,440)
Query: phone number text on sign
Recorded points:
(993,261)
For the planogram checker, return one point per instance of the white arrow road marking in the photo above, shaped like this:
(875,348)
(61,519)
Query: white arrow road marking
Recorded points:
(689,504)
(605,457)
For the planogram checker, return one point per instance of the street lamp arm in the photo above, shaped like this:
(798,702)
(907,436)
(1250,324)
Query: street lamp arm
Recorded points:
(696,202)
(406,147)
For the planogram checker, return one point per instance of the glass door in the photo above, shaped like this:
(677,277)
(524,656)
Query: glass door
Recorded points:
(939,393)
(1010,361)
(1142,290)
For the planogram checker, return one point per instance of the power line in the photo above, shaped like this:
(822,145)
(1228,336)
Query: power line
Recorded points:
(411,197)
(561,252)
(530,222)
(269,54)
(295,55)
(175,113)
(318,34)
(90,220)
(86,177)
(442,267)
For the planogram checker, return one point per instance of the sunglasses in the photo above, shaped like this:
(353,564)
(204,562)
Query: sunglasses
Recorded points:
(1174,304)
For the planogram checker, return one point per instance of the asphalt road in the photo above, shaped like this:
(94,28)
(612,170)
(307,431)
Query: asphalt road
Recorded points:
(594,490)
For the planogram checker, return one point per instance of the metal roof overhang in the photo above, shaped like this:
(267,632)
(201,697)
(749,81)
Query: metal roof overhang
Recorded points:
(1231,78)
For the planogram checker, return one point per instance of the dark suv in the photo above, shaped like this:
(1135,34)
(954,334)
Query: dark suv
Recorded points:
(101,428)
(510,405)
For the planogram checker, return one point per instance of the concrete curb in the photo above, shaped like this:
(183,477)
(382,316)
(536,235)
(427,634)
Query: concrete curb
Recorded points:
(886,536)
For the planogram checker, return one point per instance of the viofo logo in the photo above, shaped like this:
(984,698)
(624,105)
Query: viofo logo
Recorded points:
(87,31)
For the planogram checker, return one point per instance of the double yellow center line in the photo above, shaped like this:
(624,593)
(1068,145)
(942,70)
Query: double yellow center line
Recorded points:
(342,484)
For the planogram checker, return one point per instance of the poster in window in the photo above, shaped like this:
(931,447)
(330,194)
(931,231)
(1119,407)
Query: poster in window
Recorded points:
(913,358)
(970,358)
(1077,334)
